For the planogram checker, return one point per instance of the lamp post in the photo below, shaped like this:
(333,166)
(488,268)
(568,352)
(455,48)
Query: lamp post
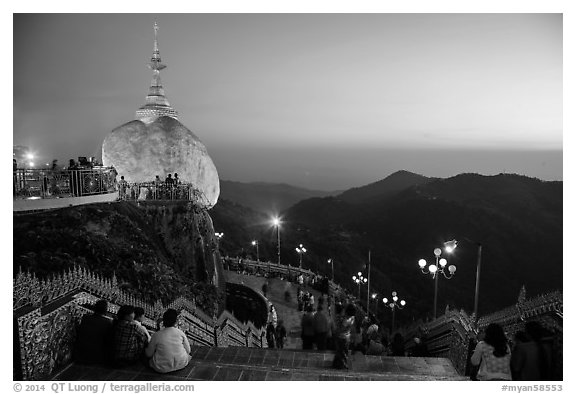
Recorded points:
(359,280)
(435,270)
(393,305)
(375,298)
(218,238)
(276,223)
(331,262)
(449,247)
(300,250)
(255,243)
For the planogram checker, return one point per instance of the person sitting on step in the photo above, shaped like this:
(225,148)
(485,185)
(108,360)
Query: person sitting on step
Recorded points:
(93,339)
(129,341)
(169,348)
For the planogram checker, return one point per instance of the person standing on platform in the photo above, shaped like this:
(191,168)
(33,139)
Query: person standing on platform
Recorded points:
(280,334)
(493,355)
(344,322)
(532,358)
(321,328)
(307,326)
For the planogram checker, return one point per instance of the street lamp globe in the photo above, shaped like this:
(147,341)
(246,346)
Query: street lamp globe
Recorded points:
(433,268)
(450,245)
(443,263)
(402,302)
(385,300)
(422,263)
(437,252)
(452,269)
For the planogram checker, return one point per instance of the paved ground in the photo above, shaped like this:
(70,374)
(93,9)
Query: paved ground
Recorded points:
(287,311)
(241,363)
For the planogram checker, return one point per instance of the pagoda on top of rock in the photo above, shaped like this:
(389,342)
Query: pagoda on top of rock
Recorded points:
(156,143)
(156,102)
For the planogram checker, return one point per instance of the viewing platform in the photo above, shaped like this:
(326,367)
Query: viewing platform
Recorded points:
(39,189)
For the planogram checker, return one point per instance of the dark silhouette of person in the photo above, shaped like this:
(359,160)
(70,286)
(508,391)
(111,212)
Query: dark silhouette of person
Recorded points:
(122,188)
(280,334)
(397,348)
(321,328)
(94,336)
(270,335)
(532,358)
(343,325)
(420,349)
(307,326)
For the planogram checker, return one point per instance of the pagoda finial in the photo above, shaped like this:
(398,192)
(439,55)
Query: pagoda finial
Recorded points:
(156,62)
(156,102)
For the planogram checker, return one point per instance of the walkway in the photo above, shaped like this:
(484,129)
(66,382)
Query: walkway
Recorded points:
(241,363)
(287,311)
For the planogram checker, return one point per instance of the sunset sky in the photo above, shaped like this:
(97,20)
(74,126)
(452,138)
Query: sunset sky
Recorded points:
(323,101)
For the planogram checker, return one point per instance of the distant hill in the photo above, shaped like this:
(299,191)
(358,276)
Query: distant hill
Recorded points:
(517,219)
(264,197)
(386,187)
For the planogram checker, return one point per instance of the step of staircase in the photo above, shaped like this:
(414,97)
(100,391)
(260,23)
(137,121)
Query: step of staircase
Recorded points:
(240,363)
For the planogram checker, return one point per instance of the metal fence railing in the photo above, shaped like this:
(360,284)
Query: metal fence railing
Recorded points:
(161,191)
(39,183)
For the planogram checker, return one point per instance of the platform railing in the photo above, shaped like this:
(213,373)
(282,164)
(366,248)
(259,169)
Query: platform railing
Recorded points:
(157,191)
(40,183)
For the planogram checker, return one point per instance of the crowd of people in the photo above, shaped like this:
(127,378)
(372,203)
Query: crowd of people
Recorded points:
(343,329)
(347,330)
(124,340)
(528,357)
(157,189)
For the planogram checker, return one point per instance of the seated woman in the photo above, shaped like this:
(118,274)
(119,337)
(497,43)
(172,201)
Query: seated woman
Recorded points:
(129,340)
(169,348)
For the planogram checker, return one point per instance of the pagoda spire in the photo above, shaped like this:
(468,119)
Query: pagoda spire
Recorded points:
(157,104)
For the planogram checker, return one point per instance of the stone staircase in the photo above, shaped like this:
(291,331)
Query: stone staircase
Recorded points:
(241,363)
(287,310)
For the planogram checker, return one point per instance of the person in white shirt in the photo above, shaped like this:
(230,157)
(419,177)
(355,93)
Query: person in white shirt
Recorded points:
(493,355)
(169,347)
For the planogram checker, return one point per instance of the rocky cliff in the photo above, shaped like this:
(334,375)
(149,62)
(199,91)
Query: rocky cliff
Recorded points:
(157,250)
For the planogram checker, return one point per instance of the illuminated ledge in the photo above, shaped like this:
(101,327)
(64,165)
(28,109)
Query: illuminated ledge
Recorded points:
(52,203)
